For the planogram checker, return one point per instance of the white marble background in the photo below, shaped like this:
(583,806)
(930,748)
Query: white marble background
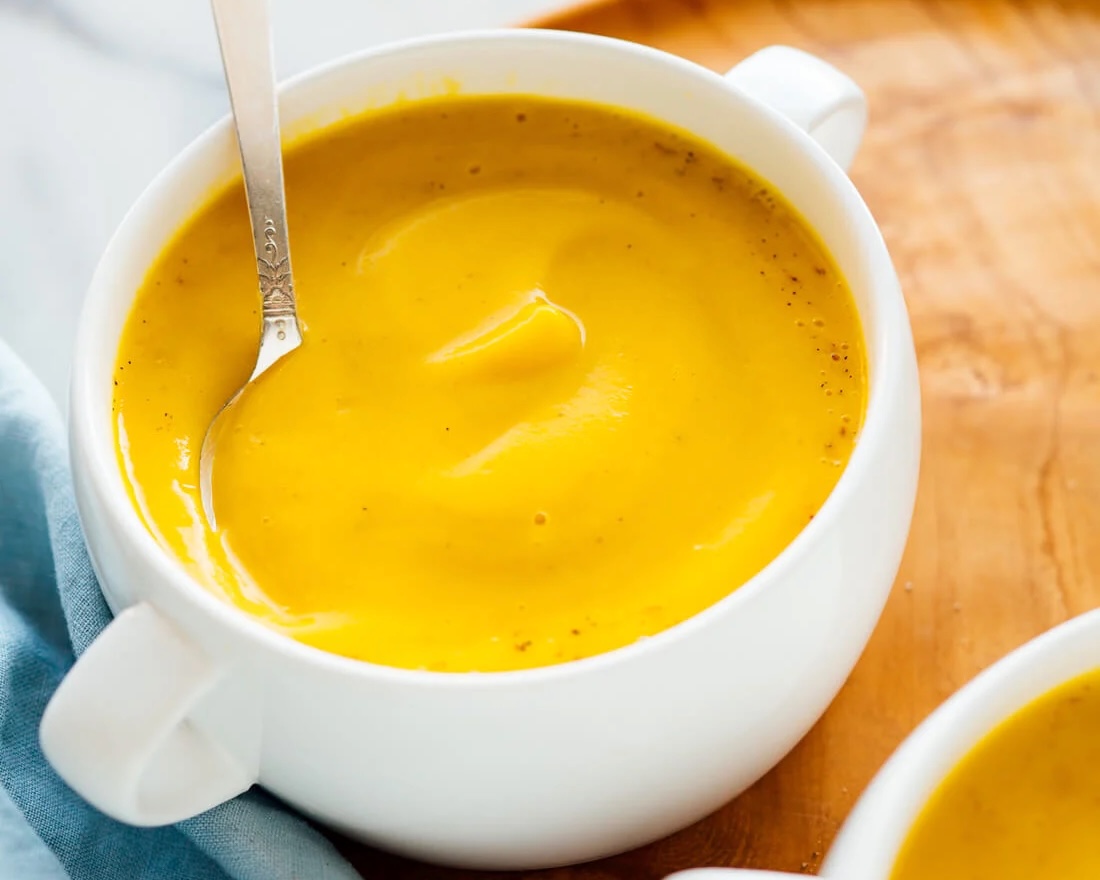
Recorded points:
(97,95)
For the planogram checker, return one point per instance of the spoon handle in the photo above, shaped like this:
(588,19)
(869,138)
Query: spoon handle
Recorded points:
(244,34)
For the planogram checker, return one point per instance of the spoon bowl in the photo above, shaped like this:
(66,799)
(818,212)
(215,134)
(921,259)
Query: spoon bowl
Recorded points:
(244,34)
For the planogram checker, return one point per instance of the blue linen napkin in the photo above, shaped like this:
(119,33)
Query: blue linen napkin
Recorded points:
(50,606)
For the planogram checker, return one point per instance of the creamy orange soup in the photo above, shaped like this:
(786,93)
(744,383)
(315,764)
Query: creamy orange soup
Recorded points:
(1024,804)
(569,377)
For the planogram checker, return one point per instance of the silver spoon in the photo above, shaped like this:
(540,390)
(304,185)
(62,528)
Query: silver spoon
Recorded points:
(244,33)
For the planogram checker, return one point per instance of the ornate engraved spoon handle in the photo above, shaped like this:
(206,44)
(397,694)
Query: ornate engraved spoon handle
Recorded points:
(244,32)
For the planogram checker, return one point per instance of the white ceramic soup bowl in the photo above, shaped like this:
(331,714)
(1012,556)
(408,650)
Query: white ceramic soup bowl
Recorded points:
(868,844)
(184,701)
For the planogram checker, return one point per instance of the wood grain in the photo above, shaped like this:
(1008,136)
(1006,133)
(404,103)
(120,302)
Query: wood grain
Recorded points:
(982,164)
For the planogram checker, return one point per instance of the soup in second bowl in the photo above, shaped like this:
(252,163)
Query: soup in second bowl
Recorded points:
(569,377)
(1024,804)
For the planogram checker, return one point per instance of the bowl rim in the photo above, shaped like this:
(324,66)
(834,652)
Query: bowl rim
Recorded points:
(887,380)
(871,838)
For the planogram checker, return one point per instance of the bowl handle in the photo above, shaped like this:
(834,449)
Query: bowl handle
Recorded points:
(811,93)
(119,728)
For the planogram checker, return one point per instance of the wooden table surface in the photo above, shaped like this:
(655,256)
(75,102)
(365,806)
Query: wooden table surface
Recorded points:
(982,165)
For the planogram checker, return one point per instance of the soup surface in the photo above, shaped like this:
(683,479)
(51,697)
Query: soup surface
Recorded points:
(1024,804)
(569,377)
